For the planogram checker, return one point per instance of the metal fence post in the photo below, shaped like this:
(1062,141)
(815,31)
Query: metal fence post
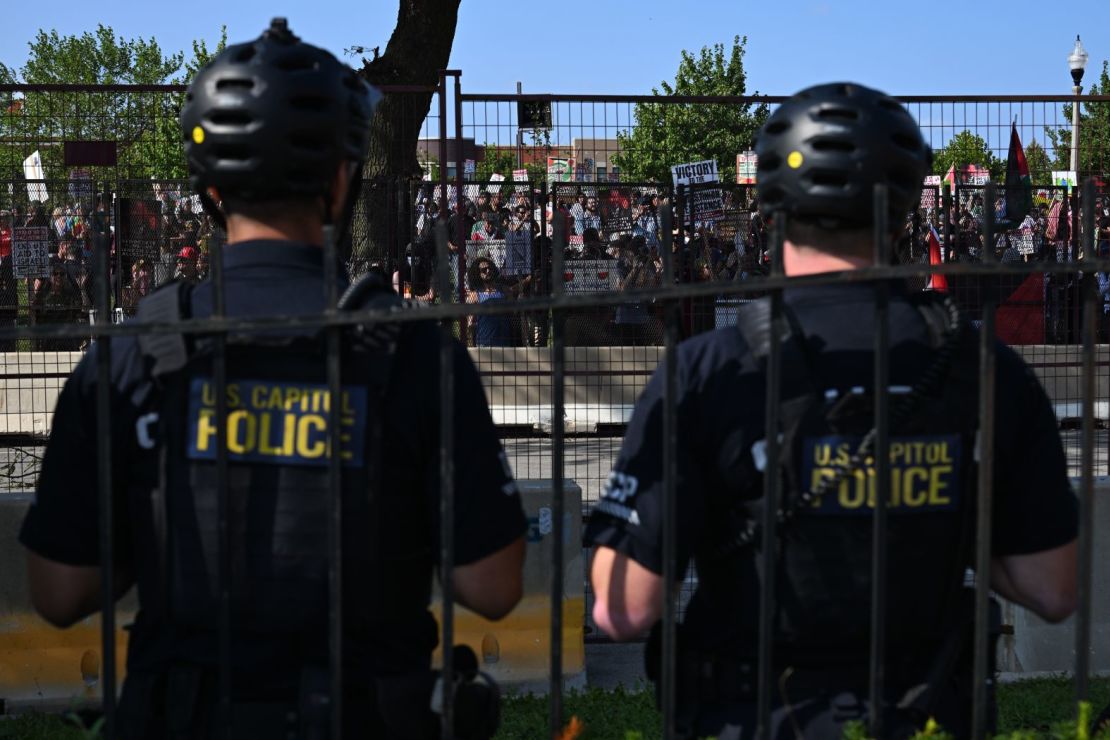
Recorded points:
(982,677)
(772,485)
(1086,469)
(104,486)
(447,487)
(877,666)
(671,575)
(558,369)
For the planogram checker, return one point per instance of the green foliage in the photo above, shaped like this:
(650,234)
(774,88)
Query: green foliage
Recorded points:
(666,134)
(1094,133)
(1040,167)
(604,715)
(963,149)
(143,125)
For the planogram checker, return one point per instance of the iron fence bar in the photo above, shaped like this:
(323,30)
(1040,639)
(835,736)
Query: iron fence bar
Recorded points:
(558,369)
(1087,481)
(670,447)
(223,577)
(771,488)
(877,667)
(447,488)
(946,224)
(335,483)
(460,224)
(479,97)
(983,680)
(107,499)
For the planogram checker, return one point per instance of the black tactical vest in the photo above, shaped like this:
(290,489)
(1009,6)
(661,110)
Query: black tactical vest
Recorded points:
(277,488)
(824,543)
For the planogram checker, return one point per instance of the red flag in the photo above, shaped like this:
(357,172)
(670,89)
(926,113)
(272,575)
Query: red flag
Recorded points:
(936,282)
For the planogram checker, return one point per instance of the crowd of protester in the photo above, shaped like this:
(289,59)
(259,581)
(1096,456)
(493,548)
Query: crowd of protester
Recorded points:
(500,243)
(166,237)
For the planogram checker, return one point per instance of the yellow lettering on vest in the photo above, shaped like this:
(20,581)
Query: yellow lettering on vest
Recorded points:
(842,454)
(348,409)
(344,443)
(207,395)
(241,420)
(897,450)
(292,398)
(258,397)
(304,427)
(822,456)
(945,453)
(853,491)
(937,483)
(264,433)
(206,430)
(289,435)
(233,395)
(911,496)
(274,401)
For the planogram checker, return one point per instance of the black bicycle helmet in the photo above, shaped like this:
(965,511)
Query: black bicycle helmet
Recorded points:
(273,118)
(822,152)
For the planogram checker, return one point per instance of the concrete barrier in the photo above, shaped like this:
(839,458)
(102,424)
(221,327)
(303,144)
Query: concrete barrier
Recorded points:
(517,650)
(602,384)
(1037,647)
(46,667)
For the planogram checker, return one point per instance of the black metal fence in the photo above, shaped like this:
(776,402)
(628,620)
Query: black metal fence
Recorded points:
(575,320)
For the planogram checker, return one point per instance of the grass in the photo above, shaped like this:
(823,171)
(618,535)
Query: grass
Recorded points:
(1035,707)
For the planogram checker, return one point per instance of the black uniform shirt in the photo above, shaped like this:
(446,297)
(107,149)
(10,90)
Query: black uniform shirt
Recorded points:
(721,408)
(265,279)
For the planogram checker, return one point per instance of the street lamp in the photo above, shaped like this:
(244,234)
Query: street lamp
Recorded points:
(1077,62)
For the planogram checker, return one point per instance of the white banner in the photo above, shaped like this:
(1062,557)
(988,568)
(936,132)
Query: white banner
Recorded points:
(32,170)
(590,276)
(31,251)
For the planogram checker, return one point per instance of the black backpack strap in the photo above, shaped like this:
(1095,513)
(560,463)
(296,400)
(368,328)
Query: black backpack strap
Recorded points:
(167,351)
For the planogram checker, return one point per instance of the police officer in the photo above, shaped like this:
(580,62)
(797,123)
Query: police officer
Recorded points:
(276,131)
(820,154)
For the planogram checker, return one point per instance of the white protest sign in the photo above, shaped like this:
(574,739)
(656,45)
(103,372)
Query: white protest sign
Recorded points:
(590,276)
(746,164)
(33,171)
(31,251)
(703,204)
(498,179)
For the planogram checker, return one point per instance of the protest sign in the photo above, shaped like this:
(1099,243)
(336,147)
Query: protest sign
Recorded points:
(141,229)
(746,164)
(31,251)
(590,276)
(495,181)
(1065,178)
(703,204)
(35,174)
(560,169)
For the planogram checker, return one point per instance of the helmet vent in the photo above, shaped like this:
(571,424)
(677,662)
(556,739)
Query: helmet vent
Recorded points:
(235,152)
(769,162)
(838,114)
(295,62)
(829,179)
(309,102)
(307,142)
(237,83)
(833,145)
(230,118)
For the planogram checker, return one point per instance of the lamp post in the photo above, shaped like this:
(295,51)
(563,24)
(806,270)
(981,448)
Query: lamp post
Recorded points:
(1077,62)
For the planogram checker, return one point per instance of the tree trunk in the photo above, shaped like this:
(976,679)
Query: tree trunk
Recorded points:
(418,49)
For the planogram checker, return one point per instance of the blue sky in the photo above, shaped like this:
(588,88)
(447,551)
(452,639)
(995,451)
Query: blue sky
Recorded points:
(578,46)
